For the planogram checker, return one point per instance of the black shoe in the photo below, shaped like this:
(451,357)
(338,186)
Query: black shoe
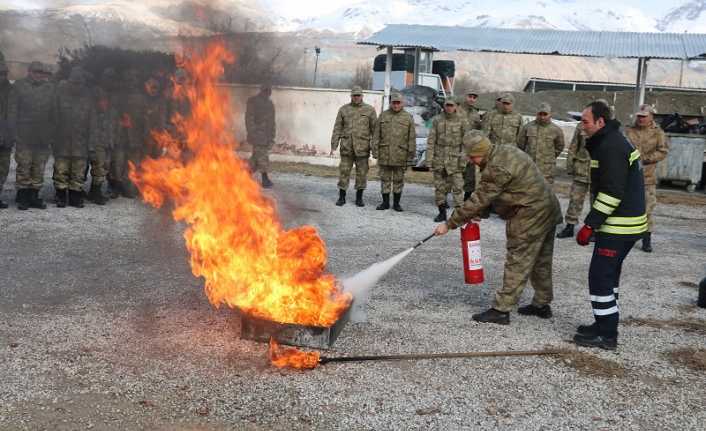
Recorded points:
(385,205)
(359,198)
(3,205)
(341,198)
(466,195)
(35,201)
(62,196)
(22,199)
(594,340)
(442,214)
(128,190)
(96,195)
(115,189)
(396,202)
(266,183)
(76,198)
(647,242)
(588,330)
(492,316)
(543,312)
(567,232)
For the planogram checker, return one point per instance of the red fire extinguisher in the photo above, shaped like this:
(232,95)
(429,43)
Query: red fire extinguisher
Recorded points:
(470,244)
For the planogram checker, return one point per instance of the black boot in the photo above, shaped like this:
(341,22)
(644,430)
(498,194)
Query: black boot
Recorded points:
(396,202)
(385,205)
(442,214)
(115,188)
(96,195)
(3,205)
(567,232)
(76,198)
(22,199)
(647,242)
(61,197)
(341,198)
(359,198)
(466,195)
(266,183)
(595,340)
(588,330)
(543,312)
(128,190)
(35,201)
(493,316)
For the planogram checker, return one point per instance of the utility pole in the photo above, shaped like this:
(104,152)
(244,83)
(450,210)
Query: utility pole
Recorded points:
(317,50)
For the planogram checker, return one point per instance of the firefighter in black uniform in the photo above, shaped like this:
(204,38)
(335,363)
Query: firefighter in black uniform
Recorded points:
(617,217)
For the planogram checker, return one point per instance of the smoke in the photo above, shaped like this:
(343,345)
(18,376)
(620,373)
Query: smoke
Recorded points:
(359,285)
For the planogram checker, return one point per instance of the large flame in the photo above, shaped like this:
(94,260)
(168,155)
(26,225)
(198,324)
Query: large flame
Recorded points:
(289,357)
(237,244)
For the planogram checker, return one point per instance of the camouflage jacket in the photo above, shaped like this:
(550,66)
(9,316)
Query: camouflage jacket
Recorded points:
(73,116)
(445,142)
(6,134)
(513,184)
(394,139)
(155,117)
(472,115)
(578,161)
(653,146)
(131,109)
(353,130)
(260,121)
(543,143)
(502,128)
(30,113)
(105,126)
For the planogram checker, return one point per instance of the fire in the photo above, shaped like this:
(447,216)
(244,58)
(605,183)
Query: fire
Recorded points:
(282,357)
(237,243)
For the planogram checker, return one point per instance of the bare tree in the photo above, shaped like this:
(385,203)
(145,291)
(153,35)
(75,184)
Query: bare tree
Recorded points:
(363,76)
(465,82)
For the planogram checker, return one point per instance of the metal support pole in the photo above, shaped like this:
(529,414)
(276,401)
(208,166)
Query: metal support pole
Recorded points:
(681,73)
(641,82)
(417,58)
(388,78)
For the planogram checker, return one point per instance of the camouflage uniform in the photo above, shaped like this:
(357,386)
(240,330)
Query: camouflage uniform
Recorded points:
(30,112)
(6,137)
(445,150)
(353,132)
(105,129)
(543,143)
(394,146)
(474,123)
(512,183)
(503,128)
(578,165)
(652,144)
(260,125)
(155,121)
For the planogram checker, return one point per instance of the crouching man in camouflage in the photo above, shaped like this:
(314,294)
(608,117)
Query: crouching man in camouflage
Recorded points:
(513,184)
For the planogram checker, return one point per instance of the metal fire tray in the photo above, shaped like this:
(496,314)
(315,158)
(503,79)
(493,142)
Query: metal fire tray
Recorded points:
(317,337)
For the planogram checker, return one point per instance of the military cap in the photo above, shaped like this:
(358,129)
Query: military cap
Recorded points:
(470,91)
(545,107)
(396,97)
(35,66)
(3,67)
(645,110)
(356,91)
(507,98)
(450,100)
(476,144)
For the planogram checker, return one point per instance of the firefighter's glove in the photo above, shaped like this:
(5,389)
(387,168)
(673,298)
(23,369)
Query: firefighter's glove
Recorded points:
(584,235)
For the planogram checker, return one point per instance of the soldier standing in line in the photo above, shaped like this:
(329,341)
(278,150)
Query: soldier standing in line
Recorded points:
(578,165)
(73,114)
(503,127)
(543,141)
(261,126)
(468,108)
(104,132)
(652,143)
(394,145)
(6,136)
(516,188)
(445,150)
(155,116)
(30,114)
(353,132)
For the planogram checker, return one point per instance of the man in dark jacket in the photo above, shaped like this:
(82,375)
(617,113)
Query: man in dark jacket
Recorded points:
(617,216)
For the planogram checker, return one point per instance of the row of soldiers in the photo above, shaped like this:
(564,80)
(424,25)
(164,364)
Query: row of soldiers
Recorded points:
(391,140)
(105,127)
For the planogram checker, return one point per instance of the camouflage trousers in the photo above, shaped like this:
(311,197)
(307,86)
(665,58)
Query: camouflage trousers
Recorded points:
(4,165)
(531,259)
(392,178)
(260,158)
(119,159)
(98,159)
(549,179)
(577,196)
(650,202)
(30,168)
(69,173)
(361,172)
(445,182)
(469,178)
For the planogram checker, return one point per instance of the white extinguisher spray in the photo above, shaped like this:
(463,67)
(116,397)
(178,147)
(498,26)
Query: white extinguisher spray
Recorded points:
(470,246)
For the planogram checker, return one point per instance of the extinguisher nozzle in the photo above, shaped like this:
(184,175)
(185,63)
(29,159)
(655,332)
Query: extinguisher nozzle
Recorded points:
(424,240)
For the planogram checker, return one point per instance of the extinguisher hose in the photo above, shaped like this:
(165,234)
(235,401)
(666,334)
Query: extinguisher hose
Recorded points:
(423,241)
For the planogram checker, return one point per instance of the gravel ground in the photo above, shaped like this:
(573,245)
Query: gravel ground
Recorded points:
(104,327)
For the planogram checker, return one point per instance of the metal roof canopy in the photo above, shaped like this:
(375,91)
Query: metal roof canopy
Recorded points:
(640,46)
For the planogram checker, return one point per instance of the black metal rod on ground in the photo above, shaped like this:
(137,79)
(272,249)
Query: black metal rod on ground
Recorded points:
(424,240)
(325,360)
